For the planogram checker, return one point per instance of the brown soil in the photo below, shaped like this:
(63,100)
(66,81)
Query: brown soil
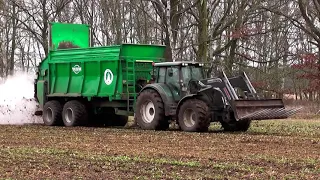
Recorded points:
(40,152)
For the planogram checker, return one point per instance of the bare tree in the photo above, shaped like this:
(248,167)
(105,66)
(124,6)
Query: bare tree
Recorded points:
(45,10)
(261,37)
(14,18)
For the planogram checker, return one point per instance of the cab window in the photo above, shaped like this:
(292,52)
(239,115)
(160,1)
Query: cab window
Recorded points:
(191,72)
(172,80)
(172,76)
(162,75)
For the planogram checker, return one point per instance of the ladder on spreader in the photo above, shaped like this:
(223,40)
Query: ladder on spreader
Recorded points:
(130,83)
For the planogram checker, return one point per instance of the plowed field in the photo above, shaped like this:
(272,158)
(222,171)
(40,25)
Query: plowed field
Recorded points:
(274,149)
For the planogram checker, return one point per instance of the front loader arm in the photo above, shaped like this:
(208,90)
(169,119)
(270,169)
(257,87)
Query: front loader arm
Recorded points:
(244,84)
(223,84)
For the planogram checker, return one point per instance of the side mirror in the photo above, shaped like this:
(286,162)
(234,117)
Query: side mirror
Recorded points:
(170,72)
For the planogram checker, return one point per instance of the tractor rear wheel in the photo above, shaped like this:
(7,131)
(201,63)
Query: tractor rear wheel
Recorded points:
(74,114)
(234,126)
(150,112)
(52,113)
(194,116)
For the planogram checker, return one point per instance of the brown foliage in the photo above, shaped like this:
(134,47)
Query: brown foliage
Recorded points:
(67,45)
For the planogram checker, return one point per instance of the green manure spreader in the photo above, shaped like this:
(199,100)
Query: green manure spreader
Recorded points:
(78,83)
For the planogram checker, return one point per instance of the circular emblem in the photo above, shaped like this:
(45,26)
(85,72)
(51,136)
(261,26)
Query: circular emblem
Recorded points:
(76,69)
(108,76)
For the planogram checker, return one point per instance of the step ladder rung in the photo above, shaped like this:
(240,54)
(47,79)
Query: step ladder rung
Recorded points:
(130,83)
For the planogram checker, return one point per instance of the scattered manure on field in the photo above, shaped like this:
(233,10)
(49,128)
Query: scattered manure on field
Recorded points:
(17,104)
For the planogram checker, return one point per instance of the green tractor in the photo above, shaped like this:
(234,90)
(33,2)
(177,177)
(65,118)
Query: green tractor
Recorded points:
(181,92)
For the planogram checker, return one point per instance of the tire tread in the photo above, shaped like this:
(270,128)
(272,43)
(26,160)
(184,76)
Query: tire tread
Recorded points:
(160,122)
(202,109)
(57,113)
(79,111)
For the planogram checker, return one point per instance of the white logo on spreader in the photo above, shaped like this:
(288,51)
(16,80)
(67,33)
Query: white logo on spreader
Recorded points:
(108,76)
(76,69)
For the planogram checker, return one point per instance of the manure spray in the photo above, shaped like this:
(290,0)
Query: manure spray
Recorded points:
(17,103)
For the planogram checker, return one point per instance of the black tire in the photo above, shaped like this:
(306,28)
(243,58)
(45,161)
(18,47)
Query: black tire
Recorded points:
(236,126)
(108,119)
(194,116)
(120,120)
(96,120)
(150,114)
(52,113)
(74,114)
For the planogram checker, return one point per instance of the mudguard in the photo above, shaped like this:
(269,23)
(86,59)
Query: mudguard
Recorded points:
(166,95)
(190,96)
(213,96)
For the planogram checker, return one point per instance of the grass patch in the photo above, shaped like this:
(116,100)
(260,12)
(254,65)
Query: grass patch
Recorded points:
(287,127)
(33,152)
(276,149)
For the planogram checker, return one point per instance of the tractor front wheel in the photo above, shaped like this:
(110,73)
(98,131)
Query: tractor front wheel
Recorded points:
(150,113)
(52,113)
(194,116)
(74,114)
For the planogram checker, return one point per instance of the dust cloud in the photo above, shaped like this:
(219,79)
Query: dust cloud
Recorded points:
(17,104)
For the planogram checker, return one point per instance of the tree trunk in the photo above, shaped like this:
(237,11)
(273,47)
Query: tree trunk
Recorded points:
(203,32)
(13,41)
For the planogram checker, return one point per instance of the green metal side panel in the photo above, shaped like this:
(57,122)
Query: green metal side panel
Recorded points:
(89,72)
(100,71)
(89,79)
(143,52)
(77,34)
(41,92)
(41,89)
(85,54)
(143,70)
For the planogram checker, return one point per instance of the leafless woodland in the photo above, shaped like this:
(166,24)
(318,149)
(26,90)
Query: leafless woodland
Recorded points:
(263,38)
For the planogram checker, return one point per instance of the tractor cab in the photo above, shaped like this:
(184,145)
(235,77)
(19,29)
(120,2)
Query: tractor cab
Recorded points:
(178,75)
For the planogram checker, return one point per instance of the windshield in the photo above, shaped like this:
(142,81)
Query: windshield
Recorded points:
(191,72)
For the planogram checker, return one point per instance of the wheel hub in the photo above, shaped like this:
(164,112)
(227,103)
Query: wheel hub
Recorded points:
(148,111)
(189,117)
(49,114)
(69,115)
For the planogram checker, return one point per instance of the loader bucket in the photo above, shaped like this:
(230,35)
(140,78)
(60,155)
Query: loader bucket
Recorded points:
(261,109)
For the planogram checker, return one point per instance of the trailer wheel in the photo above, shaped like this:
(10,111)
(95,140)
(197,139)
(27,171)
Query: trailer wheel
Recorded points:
(52,113)
(194,116)
(150,113)
(74,114)
(234,126)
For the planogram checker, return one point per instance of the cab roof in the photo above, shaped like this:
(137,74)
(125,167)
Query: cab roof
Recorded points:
(178,63)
